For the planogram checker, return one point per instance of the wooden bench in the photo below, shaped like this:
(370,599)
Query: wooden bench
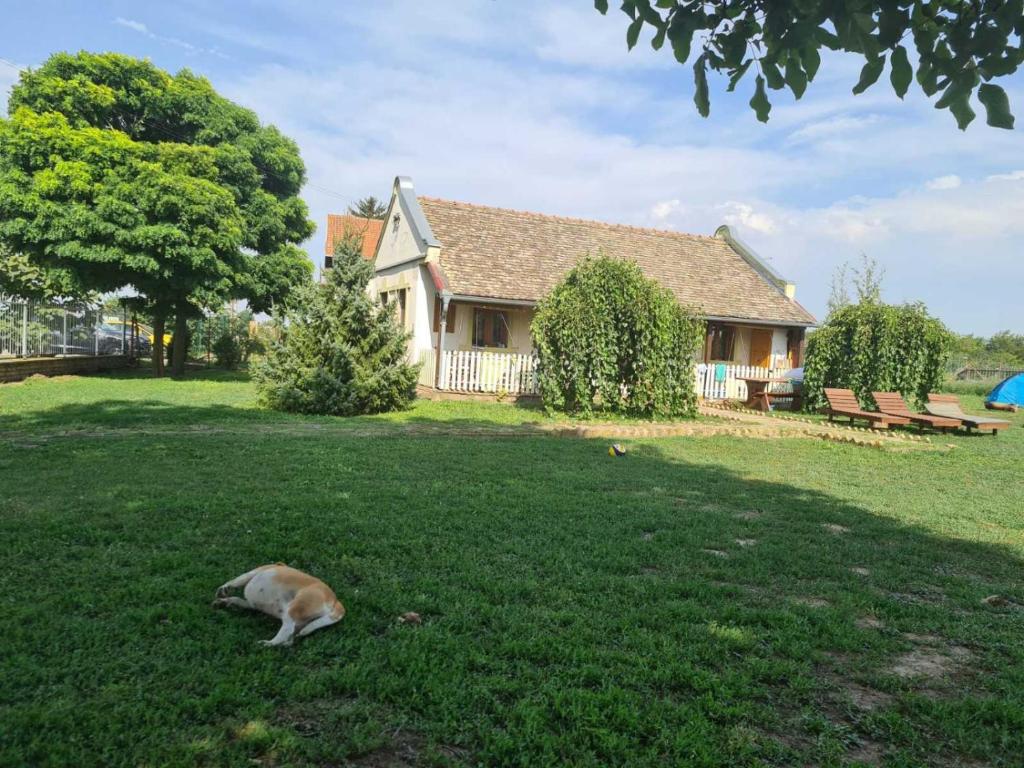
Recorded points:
(949,407)
(893,403)
(842,402)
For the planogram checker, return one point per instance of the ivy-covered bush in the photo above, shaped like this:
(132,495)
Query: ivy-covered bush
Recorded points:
(608,338)
(874,347)
(339,352)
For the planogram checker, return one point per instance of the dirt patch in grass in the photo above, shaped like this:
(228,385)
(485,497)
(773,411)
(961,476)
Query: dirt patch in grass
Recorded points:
(715,552)
(860,571)
(812,602)
(867,699)
(746,542)
(866,752)
(402,749)
(750,514)
(835,528)
(931,664)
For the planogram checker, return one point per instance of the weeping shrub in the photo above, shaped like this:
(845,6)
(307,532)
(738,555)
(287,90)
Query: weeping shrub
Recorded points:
(874,347)
(338,351)
(609,338)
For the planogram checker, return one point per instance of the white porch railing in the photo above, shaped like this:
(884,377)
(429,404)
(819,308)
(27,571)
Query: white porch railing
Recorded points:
(722,382)
(493,372)
(476,371)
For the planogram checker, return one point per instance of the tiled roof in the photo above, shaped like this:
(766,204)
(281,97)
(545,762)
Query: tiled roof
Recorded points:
(339,224)
(504,254)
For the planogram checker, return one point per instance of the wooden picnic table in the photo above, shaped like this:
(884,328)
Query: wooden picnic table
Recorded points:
(758,396)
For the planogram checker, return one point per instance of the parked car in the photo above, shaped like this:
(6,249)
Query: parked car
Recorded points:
(115,339)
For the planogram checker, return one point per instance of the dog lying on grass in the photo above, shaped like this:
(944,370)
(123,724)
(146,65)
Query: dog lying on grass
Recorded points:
(303,604)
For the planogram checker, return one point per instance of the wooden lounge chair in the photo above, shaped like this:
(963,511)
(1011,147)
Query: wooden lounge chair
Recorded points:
(949,406)
(894,404)
(842,402)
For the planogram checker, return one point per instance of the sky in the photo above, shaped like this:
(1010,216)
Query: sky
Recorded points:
(537,105)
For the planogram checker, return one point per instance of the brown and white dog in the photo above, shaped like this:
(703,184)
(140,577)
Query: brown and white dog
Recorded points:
(303,604)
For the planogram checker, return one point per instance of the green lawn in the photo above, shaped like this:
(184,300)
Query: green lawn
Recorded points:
(692,603)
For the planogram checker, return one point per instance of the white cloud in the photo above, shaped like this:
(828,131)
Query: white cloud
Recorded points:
(1011,176)
(138,26)
(744,215)
(952,181)
(831,127)
(142,29)
(578,36)
(664,209)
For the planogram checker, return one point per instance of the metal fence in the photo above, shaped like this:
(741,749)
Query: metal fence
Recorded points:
(30,328)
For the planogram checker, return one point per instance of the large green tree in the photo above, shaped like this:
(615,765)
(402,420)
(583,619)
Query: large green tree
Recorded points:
(875,347)
(115,172)
(609,338)
(958,47)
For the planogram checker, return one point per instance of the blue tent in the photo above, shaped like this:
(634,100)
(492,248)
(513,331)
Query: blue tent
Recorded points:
(1010,391)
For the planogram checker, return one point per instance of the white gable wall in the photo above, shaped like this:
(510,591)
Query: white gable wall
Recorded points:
(397,241)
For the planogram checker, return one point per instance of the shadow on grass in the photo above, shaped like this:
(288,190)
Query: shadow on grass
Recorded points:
(578,609)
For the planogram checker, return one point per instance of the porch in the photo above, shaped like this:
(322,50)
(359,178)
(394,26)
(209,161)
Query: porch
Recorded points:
(499,373)
(487,349)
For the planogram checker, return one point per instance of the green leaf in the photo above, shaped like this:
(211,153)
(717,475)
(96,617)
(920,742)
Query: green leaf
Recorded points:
(811,60)
(700,78)
(680,33)
(648,14)
(759,102)
(659,38)
(736,74)
(997,106)
(602,6)
(633,33)
(869,75)
(796,79)
(961,109)
(771,72)
(901,73)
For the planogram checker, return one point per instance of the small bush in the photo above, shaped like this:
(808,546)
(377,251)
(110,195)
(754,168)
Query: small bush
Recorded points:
(339,352)
(227,349)
(609,338)
(873,347)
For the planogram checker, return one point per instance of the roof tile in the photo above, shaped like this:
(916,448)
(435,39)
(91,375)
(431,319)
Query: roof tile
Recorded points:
(339,224)
(505,254)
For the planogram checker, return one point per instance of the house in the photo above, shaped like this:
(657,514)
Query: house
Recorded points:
(341,225)
(465,280)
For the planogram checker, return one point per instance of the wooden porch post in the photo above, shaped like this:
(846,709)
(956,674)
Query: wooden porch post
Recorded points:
(797,339)
(707,343)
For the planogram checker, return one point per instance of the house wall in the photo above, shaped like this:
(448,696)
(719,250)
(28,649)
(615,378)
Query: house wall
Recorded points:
(519,339)
(779,342)
(419,302)
(742,347)
(397,241)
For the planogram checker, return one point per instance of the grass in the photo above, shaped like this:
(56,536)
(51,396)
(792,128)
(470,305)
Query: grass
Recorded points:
(691,603)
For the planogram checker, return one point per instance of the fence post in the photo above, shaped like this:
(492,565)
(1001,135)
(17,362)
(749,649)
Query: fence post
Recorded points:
(96,335)
(24,328)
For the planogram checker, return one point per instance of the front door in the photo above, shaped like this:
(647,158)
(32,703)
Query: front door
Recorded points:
(761,347)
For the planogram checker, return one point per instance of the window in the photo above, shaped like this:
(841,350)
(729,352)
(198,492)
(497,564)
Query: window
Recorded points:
(397,297)
(328,262)
(721,342)
(490,328)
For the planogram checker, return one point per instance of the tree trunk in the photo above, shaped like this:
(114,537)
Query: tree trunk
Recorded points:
(180,348)
(158,345)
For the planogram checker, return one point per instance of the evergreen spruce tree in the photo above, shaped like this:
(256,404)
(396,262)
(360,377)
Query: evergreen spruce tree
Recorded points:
(340,353)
